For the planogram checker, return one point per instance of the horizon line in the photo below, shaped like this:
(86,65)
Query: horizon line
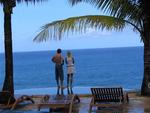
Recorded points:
(72,49)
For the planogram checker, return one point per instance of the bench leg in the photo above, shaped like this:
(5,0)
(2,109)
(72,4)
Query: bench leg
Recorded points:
(90,109)
(77,98)
(14,105)
(39,108)
(70,108)
(50,110)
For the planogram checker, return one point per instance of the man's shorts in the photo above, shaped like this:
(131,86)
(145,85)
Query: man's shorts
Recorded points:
(59,72)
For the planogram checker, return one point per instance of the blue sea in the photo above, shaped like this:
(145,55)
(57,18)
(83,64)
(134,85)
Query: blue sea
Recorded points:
(93,67)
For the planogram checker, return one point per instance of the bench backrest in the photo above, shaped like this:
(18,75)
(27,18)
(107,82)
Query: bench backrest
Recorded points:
(107,94)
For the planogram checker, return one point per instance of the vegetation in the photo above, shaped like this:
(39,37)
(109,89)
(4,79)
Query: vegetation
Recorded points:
(8,6)
(120,13)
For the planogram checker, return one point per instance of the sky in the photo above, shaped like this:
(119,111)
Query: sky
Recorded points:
(28,19)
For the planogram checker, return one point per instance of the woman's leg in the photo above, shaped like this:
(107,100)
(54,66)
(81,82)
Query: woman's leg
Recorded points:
(67,80)
(68,83)
(71,82)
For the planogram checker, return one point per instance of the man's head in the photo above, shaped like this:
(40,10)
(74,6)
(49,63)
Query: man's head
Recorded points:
(58,50)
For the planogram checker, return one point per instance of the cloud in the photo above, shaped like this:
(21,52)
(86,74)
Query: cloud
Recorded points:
(99,32)
(95,33)
(91,33)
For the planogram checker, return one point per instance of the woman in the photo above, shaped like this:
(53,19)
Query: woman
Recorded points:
(70,70)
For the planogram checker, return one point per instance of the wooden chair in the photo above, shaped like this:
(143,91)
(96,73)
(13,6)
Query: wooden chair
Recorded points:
(7,101)
(21,99)
(108,97)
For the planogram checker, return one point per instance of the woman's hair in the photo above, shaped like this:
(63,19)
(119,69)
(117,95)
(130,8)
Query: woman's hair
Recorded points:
(69,54)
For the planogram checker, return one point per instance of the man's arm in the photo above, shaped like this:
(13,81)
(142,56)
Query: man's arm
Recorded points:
(53,59)
(62,61)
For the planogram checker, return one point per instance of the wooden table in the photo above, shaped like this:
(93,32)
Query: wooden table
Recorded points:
(57,101)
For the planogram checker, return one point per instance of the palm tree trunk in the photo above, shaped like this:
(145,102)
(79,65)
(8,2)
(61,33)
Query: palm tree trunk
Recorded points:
(8,82)
(145,89)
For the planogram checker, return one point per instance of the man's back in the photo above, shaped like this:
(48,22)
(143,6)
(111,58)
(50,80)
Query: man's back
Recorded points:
(58,59)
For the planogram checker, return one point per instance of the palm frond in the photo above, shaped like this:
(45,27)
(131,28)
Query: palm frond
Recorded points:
(20,1)
(32,1)
(124,9)
(57,29)
(112,6)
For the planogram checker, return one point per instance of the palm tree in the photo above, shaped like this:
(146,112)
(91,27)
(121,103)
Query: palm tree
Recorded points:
(8,6)
(119,13)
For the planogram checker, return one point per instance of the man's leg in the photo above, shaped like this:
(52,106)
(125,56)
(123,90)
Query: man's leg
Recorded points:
(61,78)
(61,82)
(57,79)
(58,87)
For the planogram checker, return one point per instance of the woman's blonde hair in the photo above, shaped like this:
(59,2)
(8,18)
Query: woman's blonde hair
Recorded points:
(69,54)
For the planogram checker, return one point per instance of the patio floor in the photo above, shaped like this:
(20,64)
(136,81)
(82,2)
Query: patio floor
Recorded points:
(137,104)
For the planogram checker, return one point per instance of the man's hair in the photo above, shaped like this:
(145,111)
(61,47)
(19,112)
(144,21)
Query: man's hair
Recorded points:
(58,50)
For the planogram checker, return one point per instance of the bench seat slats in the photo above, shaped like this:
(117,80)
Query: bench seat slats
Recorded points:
(106,97)
(108,94)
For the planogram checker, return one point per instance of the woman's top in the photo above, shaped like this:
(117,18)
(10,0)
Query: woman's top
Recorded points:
(70,65)
(69,61)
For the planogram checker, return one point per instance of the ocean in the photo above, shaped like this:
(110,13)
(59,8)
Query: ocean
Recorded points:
(93,67)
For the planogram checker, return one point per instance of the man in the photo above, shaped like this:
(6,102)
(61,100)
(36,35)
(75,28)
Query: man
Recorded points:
(59,74)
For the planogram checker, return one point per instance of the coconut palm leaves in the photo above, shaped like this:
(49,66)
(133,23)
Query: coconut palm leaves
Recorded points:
(119,11)
(57,29)
(125,9)
(20,1)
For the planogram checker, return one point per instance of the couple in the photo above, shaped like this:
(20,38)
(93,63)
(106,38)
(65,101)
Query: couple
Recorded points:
(59,74)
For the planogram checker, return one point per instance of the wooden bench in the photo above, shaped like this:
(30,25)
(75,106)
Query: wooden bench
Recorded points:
(57,102)
(21,99)
(108,97)
(8,101)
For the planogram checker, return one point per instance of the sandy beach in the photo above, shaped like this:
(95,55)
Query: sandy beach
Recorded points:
(137,104)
